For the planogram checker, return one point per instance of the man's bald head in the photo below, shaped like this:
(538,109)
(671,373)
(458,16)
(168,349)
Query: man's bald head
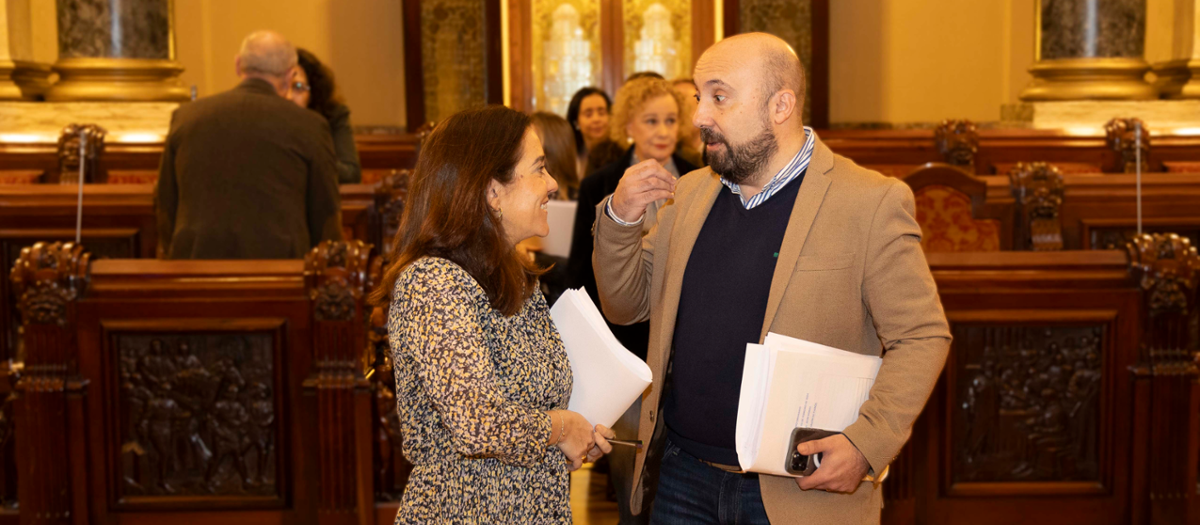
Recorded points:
(266,53)
(779,66)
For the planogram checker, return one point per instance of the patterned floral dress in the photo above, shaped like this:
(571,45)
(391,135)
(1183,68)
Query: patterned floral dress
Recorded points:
(472,386)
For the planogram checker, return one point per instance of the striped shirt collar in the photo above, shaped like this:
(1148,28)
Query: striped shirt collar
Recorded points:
(798,164)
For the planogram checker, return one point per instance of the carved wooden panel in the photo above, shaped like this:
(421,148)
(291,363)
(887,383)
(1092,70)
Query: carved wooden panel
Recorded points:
(1115,238)
(1128,141)
(1026,403)
(197,416)
(957,141)
(116,243)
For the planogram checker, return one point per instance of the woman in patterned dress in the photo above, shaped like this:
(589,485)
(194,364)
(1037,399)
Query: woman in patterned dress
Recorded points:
(482,380)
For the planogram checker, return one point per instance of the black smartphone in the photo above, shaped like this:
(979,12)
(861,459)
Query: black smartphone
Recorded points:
(798,464)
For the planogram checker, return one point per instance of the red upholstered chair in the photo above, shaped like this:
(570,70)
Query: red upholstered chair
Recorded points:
(949,206)
(21,176)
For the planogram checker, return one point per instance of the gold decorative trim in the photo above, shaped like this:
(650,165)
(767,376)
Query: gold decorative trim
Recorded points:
(1178,79)
(1089,79)
(118,79)
(8,85)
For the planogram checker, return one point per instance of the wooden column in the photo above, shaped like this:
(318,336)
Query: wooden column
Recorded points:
(1166,422)
(48,280)
(336,276)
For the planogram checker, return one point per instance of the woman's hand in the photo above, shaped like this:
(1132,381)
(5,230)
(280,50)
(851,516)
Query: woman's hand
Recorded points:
(577,436)
(602,446)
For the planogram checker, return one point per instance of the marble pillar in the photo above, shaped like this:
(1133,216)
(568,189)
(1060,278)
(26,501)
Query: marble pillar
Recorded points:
(1090,50)
(21,78)
(116,50)
(1180,76)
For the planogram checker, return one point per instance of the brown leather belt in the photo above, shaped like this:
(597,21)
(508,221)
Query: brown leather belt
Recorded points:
(738,470)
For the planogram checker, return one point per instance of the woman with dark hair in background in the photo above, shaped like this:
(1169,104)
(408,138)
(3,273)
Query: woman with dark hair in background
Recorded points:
(312,87)
(559,144)
(588,114)
(482,379)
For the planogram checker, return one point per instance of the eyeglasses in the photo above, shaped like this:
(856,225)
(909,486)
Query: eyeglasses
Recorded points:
(300,86)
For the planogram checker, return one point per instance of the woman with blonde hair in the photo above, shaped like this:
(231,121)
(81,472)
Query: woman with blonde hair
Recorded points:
(646,120)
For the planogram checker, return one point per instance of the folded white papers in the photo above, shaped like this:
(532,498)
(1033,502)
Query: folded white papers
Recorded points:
(607,377)
(561,216)
(789,383)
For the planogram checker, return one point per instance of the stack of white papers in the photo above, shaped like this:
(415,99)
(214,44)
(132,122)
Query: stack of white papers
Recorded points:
(608,378)
(789,383)
(561,217)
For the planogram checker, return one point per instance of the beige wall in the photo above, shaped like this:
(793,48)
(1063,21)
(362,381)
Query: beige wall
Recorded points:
(361,40)
(904,61)
(927,60)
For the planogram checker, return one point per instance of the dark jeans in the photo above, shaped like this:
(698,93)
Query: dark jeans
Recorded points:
(692,492)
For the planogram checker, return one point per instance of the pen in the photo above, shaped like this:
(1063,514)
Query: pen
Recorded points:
(636,444)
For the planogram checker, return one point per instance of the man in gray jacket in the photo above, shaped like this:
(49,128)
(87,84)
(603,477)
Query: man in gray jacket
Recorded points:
(246,174)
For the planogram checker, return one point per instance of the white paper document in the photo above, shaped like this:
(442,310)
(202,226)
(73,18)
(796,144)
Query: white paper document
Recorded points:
(561,217)
(608,378)
(789,383)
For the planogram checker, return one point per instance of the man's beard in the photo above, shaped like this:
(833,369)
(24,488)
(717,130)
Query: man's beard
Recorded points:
(738,164)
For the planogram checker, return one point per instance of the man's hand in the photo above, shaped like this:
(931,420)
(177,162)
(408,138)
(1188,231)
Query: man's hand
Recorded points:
(842,465)
(643,183)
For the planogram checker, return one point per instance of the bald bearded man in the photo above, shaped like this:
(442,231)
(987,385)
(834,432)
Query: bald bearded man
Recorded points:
(780,235)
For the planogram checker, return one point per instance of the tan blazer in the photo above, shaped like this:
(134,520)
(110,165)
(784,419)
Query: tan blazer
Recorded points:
(850,274)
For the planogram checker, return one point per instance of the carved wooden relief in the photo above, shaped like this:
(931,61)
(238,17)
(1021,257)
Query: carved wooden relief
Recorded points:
(197,414)
(390,196)
(8,463)
(1027,403)
(337,275)
(1038,190)
(391,467)
(1122,138)
(957,141)
(1169,269)
(48,280)
(69,157)
(120,244)
(1118,237)
(46,277)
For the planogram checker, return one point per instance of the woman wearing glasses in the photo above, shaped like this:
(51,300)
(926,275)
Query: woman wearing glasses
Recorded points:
(312,87)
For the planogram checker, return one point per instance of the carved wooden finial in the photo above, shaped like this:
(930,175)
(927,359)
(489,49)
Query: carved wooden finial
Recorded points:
(957,141)
(1038,189)
(1121,139)
(390,197)
(1169,268)
(336,274)
(46,277)
(69,157)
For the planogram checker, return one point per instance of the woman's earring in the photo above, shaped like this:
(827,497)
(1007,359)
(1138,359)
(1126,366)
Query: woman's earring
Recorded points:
(499,214)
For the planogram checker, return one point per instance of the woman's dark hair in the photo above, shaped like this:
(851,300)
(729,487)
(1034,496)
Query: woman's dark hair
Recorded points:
(555,133)
(573,113)
(322,96)
(447,215)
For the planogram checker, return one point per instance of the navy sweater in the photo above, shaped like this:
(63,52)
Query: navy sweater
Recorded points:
(721,308)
